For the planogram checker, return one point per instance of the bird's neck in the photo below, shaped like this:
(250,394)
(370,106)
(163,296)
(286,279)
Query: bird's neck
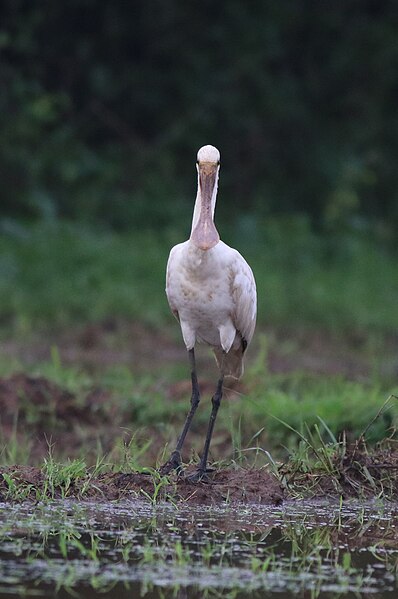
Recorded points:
(198,204)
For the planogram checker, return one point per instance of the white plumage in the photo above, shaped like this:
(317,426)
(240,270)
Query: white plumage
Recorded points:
(212,292)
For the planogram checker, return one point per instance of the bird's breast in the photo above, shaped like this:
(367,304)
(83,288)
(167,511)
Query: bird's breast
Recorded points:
(199,289)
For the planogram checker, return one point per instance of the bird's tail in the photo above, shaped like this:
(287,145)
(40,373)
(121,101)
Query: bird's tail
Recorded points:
(233,361)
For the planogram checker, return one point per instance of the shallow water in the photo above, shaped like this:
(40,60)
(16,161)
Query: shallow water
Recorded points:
(133,549)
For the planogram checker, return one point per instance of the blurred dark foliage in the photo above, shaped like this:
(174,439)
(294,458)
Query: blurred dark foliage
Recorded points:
(103,106)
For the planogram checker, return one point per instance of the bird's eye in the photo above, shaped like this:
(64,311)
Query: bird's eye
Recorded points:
(218,163)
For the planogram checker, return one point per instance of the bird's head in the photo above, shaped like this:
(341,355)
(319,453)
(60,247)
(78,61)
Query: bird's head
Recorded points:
(205,235)
(208,154)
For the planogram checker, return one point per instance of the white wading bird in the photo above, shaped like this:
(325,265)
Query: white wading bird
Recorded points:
(212,292)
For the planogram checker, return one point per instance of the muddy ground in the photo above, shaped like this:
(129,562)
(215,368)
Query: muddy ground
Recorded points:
(37,409)
(232,486)
(47,413)
(356,473)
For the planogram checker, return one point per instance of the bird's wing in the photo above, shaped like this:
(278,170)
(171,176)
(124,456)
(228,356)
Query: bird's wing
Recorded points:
(244,297)
(173,267)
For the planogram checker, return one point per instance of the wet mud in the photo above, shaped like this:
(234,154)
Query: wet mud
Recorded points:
(134,549)
(359,474)
(224,486)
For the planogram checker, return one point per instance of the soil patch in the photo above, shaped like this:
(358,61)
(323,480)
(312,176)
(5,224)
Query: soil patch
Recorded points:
(35,399)
(232,486)
(38,409)
(352,471)
(36,413)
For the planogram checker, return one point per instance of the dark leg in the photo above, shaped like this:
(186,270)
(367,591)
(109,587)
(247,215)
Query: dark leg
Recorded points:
(200,473)
(174,463)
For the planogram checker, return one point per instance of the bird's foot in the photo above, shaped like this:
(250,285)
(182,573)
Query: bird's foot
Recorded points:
(174,463)
(200,475)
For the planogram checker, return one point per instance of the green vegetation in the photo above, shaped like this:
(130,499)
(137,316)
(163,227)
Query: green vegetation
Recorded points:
(56,274)
(97,147)
(98,182)
(104,107)
(102,110)
(287,404)
(144,412)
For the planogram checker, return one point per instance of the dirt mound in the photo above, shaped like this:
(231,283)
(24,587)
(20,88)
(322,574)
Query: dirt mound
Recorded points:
(352,471)
(37,409)
(233,486)
(35,400)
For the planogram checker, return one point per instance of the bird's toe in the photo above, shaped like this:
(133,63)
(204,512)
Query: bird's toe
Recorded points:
(174,463)
(199,475)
